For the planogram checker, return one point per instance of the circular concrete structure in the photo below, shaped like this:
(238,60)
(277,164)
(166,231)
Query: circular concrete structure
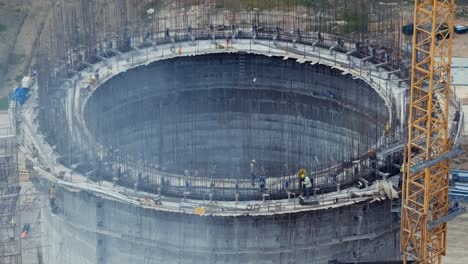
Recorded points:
(206,117)
(224,110)
(163,147)
(147,114)
(116,233)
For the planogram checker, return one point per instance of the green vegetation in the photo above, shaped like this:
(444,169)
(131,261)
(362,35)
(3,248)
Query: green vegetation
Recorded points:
(355,21)
(2,28)
(4,102)
(266,4)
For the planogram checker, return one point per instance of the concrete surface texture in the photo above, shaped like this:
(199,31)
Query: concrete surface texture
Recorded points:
(78,94)
(218,112)
(225,110)
(102,224)
(102,236)
(104,231)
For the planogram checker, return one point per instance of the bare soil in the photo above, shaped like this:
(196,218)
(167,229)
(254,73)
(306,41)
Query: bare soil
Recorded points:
(22,20)
(460,42)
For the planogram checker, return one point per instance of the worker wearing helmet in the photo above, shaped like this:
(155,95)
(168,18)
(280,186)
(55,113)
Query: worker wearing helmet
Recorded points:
(306,182)
(252,170)
(302,173)
(373,162)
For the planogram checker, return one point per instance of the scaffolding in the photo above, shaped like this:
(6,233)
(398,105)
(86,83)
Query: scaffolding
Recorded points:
(10,242)
(84,32)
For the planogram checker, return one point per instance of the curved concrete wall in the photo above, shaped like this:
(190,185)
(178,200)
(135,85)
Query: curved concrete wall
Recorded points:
(90,230)
(223,110)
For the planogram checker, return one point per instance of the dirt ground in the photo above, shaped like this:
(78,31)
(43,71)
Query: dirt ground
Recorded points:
(460,45)
(460,42)
(22,21)
(11,20)
(457,241)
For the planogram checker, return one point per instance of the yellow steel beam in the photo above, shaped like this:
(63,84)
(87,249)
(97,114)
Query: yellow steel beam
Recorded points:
(425,193)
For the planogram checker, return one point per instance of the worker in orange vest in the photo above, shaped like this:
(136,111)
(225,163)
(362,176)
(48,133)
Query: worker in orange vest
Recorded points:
(25,231)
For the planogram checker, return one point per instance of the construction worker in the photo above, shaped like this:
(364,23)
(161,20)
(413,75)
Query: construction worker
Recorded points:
(301,174)
(306,182)
(387,128)
(25,231)
(262,181)
(116,178)
(373,161)
(298,34)
(167,33)
(402,173)
(254,30)
(252,170)
(92,80)
(52,198)
(137,183)
(229,42)
(96,75)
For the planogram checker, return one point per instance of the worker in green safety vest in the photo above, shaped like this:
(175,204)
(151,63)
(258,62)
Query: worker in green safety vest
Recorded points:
(306,182)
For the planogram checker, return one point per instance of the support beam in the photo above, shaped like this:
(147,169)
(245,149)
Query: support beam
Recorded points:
(349,53)
(441,158)
(380,65)
(116,51)
(101,58)
(87,64)
(392,72)
(367,58)
(334,47)
(74,72)
(449,217)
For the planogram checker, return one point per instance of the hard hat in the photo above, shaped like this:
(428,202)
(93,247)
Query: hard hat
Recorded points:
(253,161)
(302,173)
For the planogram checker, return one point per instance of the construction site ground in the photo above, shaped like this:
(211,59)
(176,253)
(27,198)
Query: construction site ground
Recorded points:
(457,241)
(457,229)
(20,23)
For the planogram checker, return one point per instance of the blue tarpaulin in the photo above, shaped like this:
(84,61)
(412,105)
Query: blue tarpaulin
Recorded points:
(20,95)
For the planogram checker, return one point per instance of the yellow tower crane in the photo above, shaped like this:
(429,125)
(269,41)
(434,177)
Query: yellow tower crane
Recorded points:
(426,175)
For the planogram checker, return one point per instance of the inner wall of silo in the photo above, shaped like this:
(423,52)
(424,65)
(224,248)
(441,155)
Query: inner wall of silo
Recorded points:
(210,115)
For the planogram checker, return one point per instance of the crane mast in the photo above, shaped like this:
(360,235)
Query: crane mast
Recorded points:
(426,171)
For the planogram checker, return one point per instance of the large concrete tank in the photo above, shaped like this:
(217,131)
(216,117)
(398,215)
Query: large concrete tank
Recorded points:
(225,110)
